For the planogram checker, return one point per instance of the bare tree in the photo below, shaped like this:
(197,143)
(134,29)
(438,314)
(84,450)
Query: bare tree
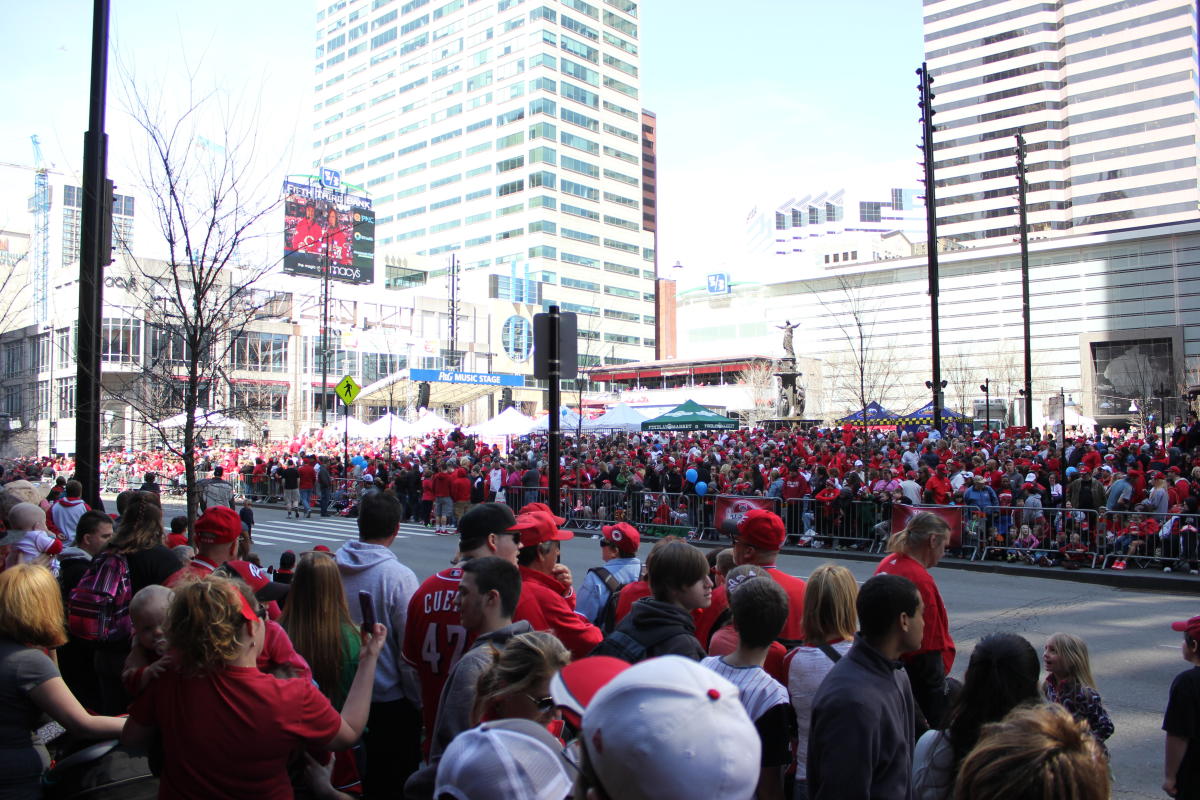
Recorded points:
(198,301)
(867,369)
(760,382)
(964,375)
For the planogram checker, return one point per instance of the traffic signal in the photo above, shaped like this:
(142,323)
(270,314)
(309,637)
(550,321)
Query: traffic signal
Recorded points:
(423,395)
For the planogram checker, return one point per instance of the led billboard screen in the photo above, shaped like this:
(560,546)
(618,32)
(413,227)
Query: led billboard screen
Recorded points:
(327,226)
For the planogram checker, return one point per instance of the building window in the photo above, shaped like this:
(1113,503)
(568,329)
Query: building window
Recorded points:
(870,212)
(265,401)
(14,358)
(120,341)
(261,352)
(65,392)
(517,337)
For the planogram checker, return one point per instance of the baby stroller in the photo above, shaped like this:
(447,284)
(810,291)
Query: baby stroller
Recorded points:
(101,771)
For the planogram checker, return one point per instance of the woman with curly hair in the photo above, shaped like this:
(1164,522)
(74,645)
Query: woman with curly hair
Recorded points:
(214,702)
(31,623)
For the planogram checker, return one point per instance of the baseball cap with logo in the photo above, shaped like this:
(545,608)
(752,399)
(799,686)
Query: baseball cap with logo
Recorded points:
(648,734)
(218,525)
(537,527)
(624,536)
(762,529)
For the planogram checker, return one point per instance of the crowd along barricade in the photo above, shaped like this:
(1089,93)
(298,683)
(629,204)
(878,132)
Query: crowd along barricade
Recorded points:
(1150,539)
(1067,537)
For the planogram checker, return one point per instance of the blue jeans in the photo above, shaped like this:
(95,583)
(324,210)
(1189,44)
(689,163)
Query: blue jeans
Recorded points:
(306,500)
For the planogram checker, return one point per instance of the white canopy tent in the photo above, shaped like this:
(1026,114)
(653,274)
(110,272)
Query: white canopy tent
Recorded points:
(355,427)
(388,423)
(203,418)
(509,422)
(618,418)
(429,422)
(568,420)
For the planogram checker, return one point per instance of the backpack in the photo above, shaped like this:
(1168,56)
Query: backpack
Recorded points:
(630,650)
(606,621)
(98,606)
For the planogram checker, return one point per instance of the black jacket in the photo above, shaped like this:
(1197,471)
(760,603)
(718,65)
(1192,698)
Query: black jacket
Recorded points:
(664,629)
(860,741)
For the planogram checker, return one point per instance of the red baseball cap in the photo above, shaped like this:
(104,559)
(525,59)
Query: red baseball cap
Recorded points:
(544,509)
(624,536)
(1191,627)
(218,525)
(537,527)
(578,682)
(762,529)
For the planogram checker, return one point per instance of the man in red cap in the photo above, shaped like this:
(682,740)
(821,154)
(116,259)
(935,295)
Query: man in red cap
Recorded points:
(549,583)
(1181,722)
(759,537)
(618,548)
(217,532)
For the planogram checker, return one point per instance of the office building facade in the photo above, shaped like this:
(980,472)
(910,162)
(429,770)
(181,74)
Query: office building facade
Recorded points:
(1105,94)
(509,136)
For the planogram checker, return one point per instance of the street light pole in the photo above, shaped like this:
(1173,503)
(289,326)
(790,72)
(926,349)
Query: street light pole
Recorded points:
(927,129)
(1021,212)
(986,386)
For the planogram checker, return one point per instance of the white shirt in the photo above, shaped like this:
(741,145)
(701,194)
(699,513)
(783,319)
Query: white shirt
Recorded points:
(807,667)
(757,690)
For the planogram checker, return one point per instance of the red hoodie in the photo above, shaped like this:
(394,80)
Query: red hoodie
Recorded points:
(460,486)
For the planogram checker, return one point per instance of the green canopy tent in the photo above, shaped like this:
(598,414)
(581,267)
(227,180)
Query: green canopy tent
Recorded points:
(691,416)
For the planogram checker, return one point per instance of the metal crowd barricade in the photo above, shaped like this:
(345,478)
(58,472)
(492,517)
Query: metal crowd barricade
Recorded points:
(1055,536)
(1150,539)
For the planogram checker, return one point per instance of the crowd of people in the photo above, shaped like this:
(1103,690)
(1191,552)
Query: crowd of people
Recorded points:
(691,673)
(1128,497)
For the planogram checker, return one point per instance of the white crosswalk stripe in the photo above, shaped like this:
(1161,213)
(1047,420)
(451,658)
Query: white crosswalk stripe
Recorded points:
(329,531)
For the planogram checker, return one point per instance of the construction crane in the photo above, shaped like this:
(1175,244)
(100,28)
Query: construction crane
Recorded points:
(39,205)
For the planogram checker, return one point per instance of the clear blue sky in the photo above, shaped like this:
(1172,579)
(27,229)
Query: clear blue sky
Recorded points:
(757,101)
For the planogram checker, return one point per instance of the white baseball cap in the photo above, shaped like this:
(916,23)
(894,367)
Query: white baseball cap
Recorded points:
(516,759)
(668,727)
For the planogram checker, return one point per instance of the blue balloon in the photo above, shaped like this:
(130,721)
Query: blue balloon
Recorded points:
(701,488)
(690,475)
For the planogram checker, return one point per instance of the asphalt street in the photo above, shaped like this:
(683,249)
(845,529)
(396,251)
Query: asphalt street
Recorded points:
(1134,653)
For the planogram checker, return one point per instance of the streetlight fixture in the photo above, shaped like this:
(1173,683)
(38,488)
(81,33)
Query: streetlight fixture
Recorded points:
(937,400)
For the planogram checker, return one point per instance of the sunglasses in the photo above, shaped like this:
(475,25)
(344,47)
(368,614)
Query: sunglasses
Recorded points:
(544,705)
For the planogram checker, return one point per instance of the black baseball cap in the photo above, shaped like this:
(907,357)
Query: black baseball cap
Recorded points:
(484,519)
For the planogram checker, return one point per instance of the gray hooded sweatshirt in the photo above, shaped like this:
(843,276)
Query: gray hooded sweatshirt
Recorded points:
(375,568)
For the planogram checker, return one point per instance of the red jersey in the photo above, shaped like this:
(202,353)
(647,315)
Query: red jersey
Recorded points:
(937,626)
(434,638)
(307,238)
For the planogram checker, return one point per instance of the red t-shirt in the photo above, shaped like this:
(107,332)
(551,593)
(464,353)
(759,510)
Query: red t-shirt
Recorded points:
(234,712)
(937,626)
(308,476)
(792,629)
(434,638)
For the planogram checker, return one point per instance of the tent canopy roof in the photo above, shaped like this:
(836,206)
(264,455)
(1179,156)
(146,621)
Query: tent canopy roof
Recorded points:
(690,416)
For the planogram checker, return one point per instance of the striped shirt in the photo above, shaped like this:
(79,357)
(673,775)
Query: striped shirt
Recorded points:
(757,690)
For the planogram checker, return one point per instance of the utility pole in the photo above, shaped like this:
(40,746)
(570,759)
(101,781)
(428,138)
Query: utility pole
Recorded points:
(1021,212)
(454,362)
(325,399)
(95,253)
(927,128)
(554,401)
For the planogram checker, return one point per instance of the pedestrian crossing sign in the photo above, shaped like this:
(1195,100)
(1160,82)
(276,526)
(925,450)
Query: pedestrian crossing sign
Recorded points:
(348,389)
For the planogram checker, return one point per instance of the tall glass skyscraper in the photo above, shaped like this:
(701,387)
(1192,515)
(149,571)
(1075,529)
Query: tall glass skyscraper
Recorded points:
(1104,92)
(508,134)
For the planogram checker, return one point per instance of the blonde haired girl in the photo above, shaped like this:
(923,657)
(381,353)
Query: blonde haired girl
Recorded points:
(1069,683)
